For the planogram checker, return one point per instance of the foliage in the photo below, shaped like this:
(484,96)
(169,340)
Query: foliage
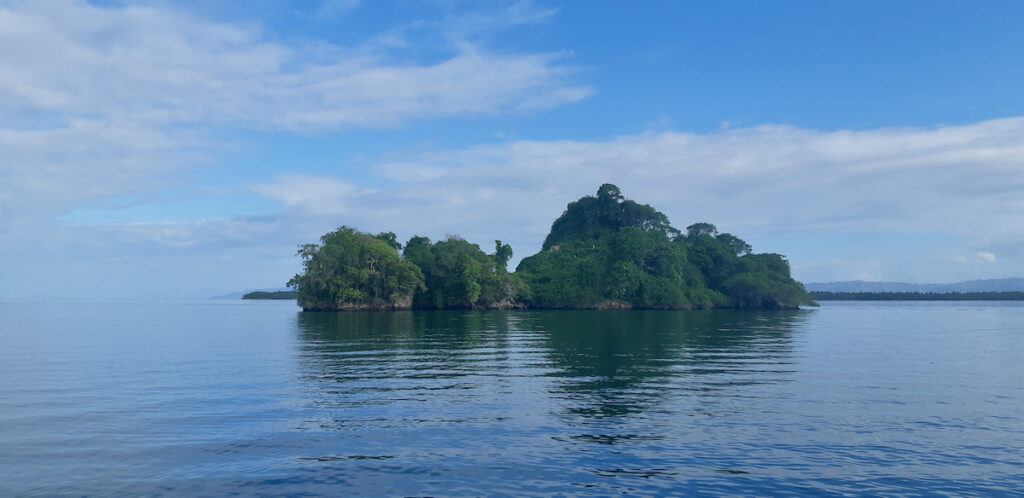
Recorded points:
(284,295)
(763,281)
(502,253)
(391,239)
(354,269)
(603,251)
(459,274)
(698,229)
(603,214)
(609,251)
(737,245)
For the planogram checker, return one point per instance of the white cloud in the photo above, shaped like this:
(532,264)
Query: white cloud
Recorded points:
(159,65)
(313,194)
(958,183)
(477,23)
(963,180)
(764,181)
(865,276)
(45,172)
(97,102)
(100,101)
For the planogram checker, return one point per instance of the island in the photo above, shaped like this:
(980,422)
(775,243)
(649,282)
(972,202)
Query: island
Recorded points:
(603,252)
(272,295)
(918,296)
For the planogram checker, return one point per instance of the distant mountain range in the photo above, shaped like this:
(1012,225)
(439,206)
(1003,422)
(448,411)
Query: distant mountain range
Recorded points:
(991,285)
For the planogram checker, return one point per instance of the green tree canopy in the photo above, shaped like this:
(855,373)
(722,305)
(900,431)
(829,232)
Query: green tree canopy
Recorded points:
(735,243)
(593,217)
(607,250)
(698,229)
(458,274)
(603,251)
(391,239)
(502,253)
(351,269)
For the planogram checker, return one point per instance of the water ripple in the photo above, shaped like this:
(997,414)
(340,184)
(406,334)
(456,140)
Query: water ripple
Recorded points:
(846,399)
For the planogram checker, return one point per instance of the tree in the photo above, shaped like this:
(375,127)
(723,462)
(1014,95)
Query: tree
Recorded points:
(502,253)
(606,250)
(603,251)
(458,274)
(391,239)
(609,191)
(594,217)
(698,229)
(735,243)
(354,270)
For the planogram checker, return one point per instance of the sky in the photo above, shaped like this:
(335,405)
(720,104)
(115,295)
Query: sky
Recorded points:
(185,149)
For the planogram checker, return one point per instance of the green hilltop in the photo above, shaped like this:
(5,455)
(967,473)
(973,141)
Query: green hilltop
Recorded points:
(604,252)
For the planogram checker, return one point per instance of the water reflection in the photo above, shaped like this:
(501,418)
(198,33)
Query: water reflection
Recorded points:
(457,328)
(415,367)
(849,399)
(602,393)
(615,364)
(591,364)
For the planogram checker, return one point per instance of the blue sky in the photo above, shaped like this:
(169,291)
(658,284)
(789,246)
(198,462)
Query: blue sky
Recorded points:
(167,149)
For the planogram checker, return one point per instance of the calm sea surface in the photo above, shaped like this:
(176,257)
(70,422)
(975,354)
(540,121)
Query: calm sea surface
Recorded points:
(218,397)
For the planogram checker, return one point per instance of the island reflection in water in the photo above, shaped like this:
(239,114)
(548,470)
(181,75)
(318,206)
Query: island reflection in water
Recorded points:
(538,391)
(215,398)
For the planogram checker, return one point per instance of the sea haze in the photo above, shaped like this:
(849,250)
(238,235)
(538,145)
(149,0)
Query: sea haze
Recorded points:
(219,397)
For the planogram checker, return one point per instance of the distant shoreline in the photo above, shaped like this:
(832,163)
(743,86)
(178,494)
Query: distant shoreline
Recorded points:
(275,295)
(917,296)
(817,295)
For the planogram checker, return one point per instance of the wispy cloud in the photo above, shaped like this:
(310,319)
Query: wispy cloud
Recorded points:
(949,183)
(148,64)
(49,171)
(960,182)
(963,180)
(317,195)
(986,257)
(99,101)
(953,182)
(481,23)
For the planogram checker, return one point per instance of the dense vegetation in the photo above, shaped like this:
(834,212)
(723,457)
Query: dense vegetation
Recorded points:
(608,251)
(271,295)
(459,274)
(918,296)
(354,271)
(605,251)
